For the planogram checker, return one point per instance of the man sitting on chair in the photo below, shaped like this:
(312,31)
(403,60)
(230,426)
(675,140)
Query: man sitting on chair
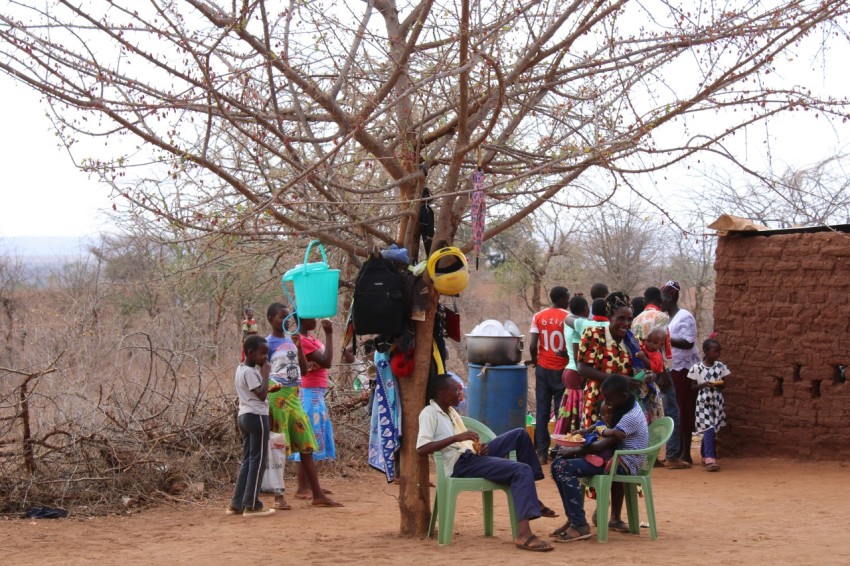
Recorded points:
(464,456)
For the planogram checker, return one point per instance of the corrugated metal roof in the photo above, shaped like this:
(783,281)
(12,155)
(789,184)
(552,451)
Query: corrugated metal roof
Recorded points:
(843,228)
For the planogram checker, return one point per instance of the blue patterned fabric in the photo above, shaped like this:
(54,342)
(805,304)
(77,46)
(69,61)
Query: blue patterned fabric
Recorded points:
(385,430)
(633,346)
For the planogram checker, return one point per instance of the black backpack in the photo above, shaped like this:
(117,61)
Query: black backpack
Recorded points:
(380,299)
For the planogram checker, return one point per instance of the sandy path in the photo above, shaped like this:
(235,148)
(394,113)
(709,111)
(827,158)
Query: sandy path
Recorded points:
(781,512)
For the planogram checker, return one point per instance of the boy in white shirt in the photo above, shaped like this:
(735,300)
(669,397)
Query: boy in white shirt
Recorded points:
(252,387)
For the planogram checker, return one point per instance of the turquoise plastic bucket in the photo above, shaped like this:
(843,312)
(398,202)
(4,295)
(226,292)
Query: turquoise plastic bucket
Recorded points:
(316,286)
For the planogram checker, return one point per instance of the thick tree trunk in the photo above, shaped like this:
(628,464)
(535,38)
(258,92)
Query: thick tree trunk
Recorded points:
(414,496)
(536,291)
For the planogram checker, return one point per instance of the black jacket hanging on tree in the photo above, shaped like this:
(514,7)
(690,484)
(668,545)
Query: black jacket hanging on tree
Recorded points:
(426,221)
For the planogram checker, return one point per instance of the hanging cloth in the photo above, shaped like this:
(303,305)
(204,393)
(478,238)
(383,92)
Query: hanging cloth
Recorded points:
(452,322)
(478,212)
(426,221)
(438,358)
(385,429)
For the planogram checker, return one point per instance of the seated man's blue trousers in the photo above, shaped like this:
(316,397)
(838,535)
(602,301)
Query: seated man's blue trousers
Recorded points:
(520,475)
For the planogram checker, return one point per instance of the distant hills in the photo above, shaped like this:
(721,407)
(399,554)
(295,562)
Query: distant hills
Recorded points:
(41,256)
(26,247)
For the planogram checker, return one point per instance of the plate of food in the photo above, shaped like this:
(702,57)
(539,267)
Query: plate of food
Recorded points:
(568,440)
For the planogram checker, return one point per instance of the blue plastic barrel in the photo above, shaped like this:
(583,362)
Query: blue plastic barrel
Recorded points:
(499,398)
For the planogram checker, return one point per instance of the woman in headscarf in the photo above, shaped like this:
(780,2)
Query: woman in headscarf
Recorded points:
(683,337)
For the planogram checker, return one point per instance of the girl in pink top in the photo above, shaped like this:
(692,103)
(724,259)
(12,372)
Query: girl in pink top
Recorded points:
(314,385)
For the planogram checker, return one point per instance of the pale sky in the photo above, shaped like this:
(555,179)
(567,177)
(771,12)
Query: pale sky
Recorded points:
(42,193)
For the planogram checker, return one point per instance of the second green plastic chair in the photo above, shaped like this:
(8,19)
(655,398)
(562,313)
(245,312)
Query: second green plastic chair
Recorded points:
(659,433)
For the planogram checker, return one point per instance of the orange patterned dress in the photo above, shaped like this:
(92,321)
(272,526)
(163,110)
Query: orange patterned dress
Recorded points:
(599,349)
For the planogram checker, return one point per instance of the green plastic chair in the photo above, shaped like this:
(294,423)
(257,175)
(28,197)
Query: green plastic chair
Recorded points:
(659,433)
(448,489)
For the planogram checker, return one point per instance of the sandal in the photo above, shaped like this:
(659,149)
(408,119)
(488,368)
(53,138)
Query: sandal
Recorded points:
(560,530)
(547,512)
(618,526)
(573,535)
(541,546)
(712,468)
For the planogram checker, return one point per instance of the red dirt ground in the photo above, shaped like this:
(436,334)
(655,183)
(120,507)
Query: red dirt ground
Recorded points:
(755,510)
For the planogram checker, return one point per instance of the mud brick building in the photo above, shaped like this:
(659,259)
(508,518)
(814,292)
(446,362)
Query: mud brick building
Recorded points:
(782,315)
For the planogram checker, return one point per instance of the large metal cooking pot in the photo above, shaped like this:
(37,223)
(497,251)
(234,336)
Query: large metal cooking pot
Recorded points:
(494,350)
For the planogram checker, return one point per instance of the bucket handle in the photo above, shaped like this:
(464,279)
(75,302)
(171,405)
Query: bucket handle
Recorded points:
(321,249)
(294,312)
(290,315)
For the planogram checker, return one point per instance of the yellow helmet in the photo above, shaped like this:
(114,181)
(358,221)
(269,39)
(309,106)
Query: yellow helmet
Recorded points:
(448,271)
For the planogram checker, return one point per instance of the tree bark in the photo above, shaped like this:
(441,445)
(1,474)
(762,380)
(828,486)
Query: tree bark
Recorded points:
(536,288)
(414,494)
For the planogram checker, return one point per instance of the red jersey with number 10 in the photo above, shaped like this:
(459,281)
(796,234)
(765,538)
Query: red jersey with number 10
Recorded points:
(549,325)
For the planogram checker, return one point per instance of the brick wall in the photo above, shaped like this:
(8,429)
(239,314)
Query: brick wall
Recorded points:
(782,314)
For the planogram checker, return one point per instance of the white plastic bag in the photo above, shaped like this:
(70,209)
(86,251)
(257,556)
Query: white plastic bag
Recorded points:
(273,478)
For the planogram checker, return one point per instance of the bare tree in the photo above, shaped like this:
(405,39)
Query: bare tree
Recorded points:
(11,280)
(269,120)
(538,252)
(816,195)
(623,245)
(691,263)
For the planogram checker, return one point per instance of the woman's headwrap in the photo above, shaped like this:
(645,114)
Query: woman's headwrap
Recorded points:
(616,300)
(672,289)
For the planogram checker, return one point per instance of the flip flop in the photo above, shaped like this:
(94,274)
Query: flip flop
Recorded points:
(712,468)
(286,507)
(618,526)
(547,512)
(542,545)
(568,537)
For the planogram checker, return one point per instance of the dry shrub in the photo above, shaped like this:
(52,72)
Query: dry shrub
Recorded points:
(100,403)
